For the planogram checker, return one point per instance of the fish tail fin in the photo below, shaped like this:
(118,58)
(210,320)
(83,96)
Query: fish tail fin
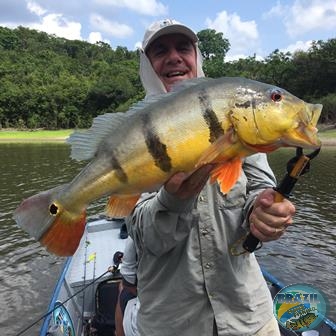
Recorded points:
(121,205)
(227,174)
(51,224)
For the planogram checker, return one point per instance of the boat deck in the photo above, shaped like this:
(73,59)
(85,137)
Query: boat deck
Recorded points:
(76,297)
(103,246)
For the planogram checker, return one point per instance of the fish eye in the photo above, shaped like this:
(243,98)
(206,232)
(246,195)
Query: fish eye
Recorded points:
(276,96)
(53,209)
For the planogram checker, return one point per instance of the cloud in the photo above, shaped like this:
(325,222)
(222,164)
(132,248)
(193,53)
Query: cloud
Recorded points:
(305,16)
(60,26)
(57,24)
(115,29)
(53,23)
(276,11)
(95,37)
(137,45)
(242,35)
(146,7)
(298,45)
(35,8)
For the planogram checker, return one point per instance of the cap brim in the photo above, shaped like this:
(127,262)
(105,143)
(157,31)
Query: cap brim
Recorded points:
(172,29)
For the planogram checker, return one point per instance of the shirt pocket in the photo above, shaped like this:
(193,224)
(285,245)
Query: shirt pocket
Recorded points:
(236,197)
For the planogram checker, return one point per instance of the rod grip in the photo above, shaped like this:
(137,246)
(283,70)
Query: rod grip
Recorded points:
(251,242)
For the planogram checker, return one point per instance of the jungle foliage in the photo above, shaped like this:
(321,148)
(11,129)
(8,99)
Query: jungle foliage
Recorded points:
(51,82)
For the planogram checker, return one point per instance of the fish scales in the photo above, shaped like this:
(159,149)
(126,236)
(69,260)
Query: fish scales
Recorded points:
(157,144)
(174,135)
(218,121)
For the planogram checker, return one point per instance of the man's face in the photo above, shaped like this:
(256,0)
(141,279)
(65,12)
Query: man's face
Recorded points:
(173,58)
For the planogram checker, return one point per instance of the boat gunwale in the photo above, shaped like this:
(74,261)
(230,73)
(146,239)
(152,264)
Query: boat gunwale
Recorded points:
(54,297)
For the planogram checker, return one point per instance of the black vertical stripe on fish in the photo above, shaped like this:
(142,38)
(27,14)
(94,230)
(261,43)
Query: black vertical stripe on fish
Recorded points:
(245,105)
(250,104)
(156,148)
(210,117)
(120,173)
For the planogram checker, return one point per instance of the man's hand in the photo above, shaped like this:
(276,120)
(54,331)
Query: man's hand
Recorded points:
(185,186)
(269,219)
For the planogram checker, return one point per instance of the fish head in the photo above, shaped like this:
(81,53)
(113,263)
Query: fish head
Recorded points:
(266,117)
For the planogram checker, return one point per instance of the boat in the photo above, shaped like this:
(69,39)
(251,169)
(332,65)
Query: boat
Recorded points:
(84,299)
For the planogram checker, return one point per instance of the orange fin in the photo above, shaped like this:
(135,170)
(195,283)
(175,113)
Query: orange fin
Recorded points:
(64,235)
(59,230)
(121,205)
(227,174)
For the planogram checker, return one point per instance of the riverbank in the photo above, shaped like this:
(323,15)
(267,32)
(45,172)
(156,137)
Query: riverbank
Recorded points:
(328,137)
(34,136)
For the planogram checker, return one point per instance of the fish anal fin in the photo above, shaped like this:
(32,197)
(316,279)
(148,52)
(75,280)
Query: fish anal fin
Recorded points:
(121,205)
(227,174)
(63,237)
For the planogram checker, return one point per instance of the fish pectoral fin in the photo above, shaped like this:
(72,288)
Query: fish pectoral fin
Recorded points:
(227,174)
(121,205)
(219,151)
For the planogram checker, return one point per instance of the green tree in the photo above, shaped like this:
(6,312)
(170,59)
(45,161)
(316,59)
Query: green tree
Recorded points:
(52,82)
(278,68)
(213,48)
(248,67)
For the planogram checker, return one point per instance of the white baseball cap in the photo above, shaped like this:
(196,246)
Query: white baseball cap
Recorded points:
(165,27)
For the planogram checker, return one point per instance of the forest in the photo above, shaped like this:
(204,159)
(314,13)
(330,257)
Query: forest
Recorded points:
(54,83)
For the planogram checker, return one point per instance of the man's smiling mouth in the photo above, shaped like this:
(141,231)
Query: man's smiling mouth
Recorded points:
(175,74)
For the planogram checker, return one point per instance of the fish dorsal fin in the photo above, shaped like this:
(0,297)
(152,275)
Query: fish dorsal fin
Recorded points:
(84,144)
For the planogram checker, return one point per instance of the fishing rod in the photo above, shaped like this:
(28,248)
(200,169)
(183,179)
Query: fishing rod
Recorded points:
(111,269)
(87,243)
(296,167)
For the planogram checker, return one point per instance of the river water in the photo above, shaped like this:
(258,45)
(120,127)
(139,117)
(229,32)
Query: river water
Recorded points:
(306,253)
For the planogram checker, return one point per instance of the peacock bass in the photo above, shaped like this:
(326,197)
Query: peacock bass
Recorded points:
(218,121)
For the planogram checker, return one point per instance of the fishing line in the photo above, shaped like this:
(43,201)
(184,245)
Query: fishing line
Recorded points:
(111,269)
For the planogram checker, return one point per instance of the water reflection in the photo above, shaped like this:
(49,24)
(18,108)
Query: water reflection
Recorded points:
(306,253)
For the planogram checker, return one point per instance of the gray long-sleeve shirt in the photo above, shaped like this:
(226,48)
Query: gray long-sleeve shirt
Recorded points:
(187,278)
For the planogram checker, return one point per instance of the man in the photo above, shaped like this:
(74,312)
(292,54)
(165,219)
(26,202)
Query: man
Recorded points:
(188,282)
(127,289)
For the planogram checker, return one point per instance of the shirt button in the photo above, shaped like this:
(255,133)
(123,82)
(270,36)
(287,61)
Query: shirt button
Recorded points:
(204,232)
(208,265)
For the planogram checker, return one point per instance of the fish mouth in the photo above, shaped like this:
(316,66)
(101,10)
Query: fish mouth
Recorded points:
(305,135)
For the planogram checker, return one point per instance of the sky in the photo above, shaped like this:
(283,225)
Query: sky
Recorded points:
(255,27)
